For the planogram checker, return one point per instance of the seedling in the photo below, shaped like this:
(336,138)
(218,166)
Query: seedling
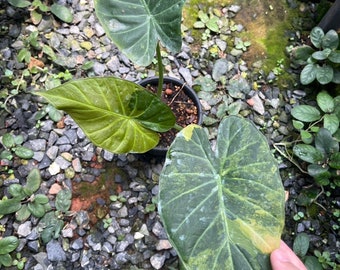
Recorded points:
(12,144)
(7,245)
(24,201)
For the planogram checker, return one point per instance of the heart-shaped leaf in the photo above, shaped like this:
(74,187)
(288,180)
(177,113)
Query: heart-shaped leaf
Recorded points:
(330,40)
(324,74)
(308,74)
(316,36)
(222,209)
(135,26)
(8,244)
(306,113)
(62,12)
(115,114)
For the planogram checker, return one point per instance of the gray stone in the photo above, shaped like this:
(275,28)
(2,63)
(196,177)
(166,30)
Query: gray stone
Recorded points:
(234,8)
(77,244)
(38,145)
(157,261)
(99,68)
(25,229)
(33,246)
(121,246)
(52,152)
(71,134)
(55,252)
(62,162)
(185,72)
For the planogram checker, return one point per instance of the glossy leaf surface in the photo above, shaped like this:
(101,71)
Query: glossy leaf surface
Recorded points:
(135,26)
(222,209)
(115,114)
(8,244)
(306,113)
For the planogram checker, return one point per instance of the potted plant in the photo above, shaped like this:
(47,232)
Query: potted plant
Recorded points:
(130,114)
(222,208)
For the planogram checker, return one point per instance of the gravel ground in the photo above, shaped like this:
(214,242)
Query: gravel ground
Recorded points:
(123,232)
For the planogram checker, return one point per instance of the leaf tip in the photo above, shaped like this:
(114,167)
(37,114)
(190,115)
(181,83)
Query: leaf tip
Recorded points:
(187,131)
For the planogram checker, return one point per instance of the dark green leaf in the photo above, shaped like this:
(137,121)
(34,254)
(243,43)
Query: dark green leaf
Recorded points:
(334,161)
(306,113)
(136,26)
(223,209)
(18,139)
(325,143)
(53,113)
(325,102)
(334,57)
(8,140)
(308,153)
(321,55)
(331,122)
(36,209)
(324,74)
(63,200)
(301,244)
(16,191)
(330,40)
(306,137)
(302,53)
(316,170)
(312,263)
(51,226)
(49,51)
(41,199)
(8,244)
(33,180)
(9,206)
(336,76)
(6,155)
(308,74)
(115,114)
(316,36)
(62,12)
(19,3)
(298,125)
(23,214)
(23,152)
(5,260)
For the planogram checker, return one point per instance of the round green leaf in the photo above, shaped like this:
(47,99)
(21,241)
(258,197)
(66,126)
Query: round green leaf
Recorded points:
(321,55)
(306,113)
(41,199)
(8,140)
(62,12)
(334,57)
(16,190)
(135,26)
(5,260)
(331,122)
(330,40)
(306,137)
(223,209)
(325,143)
(23,152)
(63,200)
(325,102)
(308,74)
(23,214)
(308,153)
(324,74)
(298,125)
(8,244)
(36,209)
(301,54)
(115,114)
(316,36)
(301,244)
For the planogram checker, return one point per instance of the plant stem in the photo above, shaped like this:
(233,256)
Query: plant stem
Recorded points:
(178,127)
(160,71)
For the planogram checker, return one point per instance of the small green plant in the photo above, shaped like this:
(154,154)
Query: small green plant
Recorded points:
(53,222)
(13,145)
(320,139)
(19,261)
(209,21)
(300,247)
(321,63)
(24,201)
(325,260)
(7,245)
(107,222)
(37,8)
(242,45)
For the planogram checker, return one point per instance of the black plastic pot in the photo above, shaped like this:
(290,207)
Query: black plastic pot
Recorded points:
(153,81)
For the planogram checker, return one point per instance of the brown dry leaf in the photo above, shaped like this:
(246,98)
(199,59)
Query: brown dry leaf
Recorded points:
(35,63)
